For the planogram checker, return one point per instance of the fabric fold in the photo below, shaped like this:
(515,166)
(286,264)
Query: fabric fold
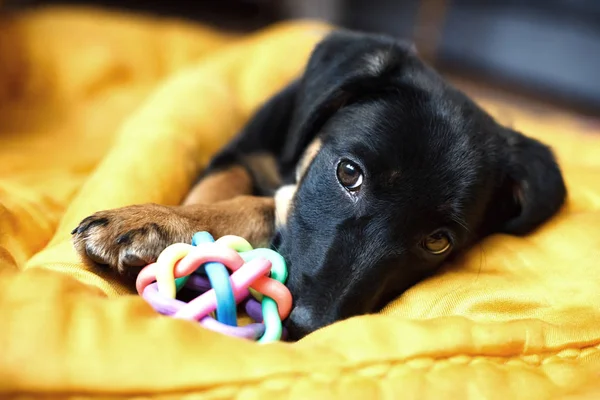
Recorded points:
(114,110)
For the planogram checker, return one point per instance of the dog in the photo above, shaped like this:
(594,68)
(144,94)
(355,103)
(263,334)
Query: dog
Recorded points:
(367,173)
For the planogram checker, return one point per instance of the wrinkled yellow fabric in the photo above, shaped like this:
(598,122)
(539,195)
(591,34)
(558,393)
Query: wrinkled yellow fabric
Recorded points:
(101,110)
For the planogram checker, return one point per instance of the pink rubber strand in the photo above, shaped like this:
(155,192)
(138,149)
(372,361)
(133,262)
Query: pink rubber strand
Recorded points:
(206,303)
(198,255)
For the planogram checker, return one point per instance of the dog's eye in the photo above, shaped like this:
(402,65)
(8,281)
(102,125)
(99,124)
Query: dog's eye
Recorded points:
(437,243)
(350,175)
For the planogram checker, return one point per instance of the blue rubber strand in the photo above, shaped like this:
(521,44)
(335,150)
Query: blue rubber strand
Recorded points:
(199,237)
(273,324)
(219,279)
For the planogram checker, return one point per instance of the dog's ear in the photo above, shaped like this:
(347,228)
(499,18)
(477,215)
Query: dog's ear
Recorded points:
(531,189)
(343,68)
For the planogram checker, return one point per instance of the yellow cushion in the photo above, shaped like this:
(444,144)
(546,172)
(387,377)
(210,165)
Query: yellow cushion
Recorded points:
(101,110)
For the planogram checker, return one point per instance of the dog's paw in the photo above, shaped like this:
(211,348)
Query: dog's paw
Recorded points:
(131,237)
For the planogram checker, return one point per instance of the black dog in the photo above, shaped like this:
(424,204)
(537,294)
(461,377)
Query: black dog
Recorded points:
(366,173)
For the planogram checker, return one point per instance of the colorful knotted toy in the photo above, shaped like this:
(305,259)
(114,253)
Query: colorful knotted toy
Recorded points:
(256,281)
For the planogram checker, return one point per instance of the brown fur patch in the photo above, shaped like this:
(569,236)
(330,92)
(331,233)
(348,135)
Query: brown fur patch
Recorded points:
(250,217)
(264,169)
(309,155)
(221,185)
(283,201)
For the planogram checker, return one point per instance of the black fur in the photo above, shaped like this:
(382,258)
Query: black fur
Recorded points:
(432,159)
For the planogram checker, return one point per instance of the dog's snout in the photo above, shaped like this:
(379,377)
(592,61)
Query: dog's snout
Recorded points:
(301,322)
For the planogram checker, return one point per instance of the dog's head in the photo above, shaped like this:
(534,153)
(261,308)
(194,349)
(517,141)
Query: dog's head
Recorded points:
(398,172)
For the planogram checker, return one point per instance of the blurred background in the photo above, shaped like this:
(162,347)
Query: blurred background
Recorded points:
(544,50)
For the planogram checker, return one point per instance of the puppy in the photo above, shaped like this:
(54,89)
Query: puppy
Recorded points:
(366,173)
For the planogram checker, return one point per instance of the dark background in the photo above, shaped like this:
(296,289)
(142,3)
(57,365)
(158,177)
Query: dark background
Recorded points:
(543,49)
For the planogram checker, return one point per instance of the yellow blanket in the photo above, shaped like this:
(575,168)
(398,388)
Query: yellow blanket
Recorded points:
(102,110)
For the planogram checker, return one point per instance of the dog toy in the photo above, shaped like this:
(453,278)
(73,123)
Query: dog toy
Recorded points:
(221,275)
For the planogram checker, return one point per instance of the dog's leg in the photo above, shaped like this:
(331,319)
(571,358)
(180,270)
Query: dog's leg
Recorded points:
(231,197)
(130,237)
